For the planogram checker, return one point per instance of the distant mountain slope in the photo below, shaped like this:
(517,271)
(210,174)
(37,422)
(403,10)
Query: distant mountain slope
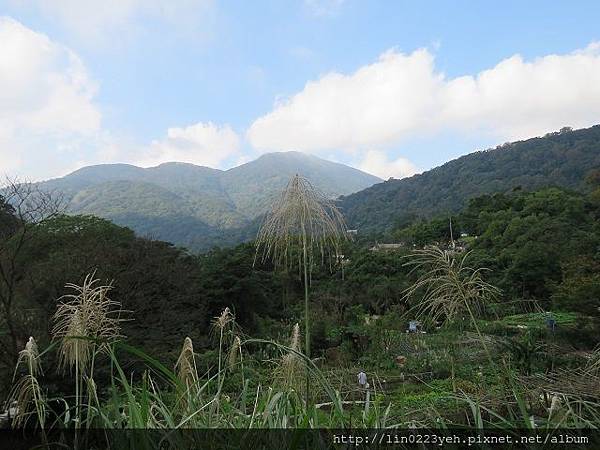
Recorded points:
(197,206)
(561,159)
(252,187)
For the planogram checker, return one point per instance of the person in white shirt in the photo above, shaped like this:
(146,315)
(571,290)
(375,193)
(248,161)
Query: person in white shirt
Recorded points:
(362,380)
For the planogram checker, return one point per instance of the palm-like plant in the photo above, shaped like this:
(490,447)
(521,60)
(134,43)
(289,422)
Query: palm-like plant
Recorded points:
(303,225)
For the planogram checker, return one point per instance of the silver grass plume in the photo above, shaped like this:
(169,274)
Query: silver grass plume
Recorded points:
(448,286)
(85,318)
(186,364)
(222,320)
(302,223)
(235,352)
(291,363)
(30,357)
(27,392)
(221,325)
(302,217)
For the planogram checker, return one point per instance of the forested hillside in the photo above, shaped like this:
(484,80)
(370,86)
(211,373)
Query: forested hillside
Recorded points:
(197,207)
(170,294)
(540,248)
(557,159)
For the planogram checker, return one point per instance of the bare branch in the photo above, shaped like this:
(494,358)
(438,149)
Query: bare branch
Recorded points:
(32,204)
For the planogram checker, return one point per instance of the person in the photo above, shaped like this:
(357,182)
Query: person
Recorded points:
(362,380)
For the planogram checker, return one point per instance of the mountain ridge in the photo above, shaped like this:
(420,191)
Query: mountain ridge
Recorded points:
(200,207)
(560,158)
(157,200)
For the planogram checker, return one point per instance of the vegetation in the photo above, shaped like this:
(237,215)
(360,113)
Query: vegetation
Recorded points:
(302,223)
(200,208)
(151,336)
(542,247)
(560,159)
(194,206)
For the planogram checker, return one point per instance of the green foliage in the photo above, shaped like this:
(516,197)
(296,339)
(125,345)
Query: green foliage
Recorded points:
(524,351)
(376,280)
(539,245)
(194,206)
(580,289)
(544,251)
(557,159)
(537,321)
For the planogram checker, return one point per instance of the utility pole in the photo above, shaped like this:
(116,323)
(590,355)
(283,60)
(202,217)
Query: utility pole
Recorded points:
(451,235)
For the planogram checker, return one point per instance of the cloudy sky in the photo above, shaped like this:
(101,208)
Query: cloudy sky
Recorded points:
(391,87)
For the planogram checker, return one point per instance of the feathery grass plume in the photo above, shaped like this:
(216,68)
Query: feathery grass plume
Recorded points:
(302,219)
(186,364)
(235,351)
(187,373)
(86,322)
(221,325)
(302,223)
(291,363)
(84,319)
(449,287)
(27,390)
(222,320)
(295,340)
(30,356)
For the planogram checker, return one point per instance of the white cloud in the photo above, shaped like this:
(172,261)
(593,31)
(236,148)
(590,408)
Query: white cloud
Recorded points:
(50,124)
(46,100)
(204,144)
(403,95)
(377,163)
(98,21)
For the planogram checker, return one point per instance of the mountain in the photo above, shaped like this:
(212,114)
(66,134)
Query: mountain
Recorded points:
(562,158)
(196,206)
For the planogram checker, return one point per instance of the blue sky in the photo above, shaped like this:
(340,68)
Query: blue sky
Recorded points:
(392,87)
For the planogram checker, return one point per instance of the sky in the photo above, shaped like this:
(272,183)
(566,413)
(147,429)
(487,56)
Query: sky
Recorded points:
(391,87)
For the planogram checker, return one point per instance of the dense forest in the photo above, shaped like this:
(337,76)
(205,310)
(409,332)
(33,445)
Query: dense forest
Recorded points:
(542,246)
(559,159)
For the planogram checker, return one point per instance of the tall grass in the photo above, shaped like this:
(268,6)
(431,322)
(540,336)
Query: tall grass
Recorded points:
(449,287)
(234,396)
(27,393)
(86,322)
(303,225)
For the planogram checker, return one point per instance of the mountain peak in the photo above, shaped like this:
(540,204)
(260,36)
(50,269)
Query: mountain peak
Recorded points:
(175,164)
(197,206)
(288,153)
